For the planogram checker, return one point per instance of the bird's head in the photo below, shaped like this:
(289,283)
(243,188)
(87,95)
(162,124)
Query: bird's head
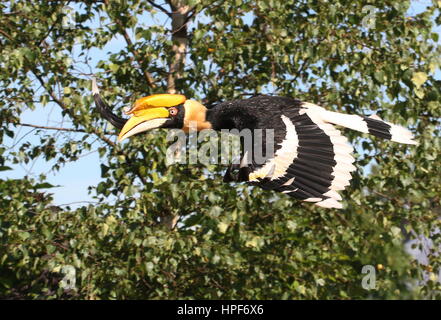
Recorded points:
(164,111)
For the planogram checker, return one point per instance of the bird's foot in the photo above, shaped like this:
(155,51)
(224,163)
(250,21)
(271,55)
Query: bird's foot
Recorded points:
(241,175)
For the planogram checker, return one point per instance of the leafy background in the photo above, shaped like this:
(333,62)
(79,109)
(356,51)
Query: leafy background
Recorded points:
(231,241)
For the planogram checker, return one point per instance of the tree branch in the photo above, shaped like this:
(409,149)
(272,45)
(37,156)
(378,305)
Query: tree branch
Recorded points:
(302,68)
(69,111)
(147,76)
(180,42)
(49,127)
(74,117)
(7,36)
(157,6)
(53,128)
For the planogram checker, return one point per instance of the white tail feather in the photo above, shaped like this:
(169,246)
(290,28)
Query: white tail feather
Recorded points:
(357,123)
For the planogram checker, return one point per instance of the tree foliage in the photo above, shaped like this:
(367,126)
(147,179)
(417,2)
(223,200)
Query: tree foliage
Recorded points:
(231,241)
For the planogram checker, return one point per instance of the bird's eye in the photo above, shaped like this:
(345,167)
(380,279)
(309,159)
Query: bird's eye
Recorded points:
(173,111)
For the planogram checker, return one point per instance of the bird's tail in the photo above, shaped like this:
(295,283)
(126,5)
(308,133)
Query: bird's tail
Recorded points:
(372,124)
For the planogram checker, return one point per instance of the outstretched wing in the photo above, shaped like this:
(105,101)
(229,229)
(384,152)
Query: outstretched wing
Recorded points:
(311,162)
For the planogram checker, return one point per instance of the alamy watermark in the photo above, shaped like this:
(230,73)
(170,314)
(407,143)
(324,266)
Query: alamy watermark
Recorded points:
(368,21)
(69,280)
(225,147)
(68,20)
(369,280)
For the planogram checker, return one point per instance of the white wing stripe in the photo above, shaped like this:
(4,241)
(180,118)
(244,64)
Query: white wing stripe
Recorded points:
(341,148)
(350,121)
(283,157)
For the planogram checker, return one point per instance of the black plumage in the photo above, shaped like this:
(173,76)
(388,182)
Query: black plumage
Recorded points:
(378,128)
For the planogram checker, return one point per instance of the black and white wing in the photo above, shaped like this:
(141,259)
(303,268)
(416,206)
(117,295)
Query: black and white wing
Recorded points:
(312,162)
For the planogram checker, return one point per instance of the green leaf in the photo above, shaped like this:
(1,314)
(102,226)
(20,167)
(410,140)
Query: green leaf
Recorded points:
(419,78)
(44,185)
(222,227)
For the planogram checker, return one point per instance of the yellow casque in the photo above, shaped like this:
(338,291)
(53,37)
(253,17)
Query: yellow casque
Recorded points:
(158,100)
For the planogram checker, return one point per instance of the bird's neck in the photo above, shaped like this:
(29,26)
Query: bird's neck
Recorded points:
(210,116)
(225,117)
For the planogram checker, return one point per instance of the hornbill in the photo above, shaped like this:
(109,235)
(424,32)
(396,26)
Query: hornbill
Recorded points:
(311,161)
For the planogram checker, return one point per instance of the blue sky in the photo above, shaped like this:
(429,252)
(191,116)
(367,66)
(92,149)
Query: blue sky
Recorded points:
(75,177)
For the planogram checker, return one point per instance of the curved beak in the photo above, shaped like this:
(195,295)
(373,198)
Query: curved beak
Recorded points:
(143,120)
(149,113)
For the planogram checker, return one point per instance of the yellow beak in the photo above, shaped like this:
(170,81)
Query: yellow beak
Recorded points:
(149,113)
(144,120)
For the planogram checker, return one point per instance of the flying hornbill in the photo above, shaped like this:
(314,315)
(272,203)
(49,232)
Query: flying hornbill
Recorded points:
(311,160)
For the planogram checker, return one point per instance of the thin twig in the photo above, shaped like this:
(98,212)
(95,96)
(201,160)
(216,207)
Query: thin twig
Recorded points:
(6,35)
(64,107)
(49,128)
(180,43)
(157,6)
(54,128)
(148,77)
(305,63)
